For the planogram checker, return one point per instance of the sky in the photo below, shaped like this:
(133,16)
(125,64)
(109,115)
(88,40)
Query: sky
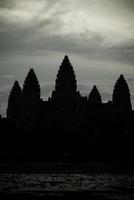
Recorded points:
(97,35)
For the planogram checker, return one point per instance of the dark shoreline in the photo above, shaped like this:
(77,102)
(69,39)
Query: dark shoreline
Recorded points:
(67,167)
(54,195)
(67,185)
(89,195)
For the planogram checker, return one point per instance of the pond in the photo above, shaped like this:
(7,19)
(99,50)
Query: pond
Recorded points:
(109,186)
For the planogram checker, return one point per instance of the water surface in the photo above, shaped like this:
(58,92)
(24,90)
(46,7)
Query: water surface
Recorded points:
(109,186)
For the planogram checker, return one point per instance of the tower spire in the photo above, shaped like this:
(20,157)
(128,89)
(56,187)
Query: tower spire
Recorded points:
(94,96)
(14,101)
(121,94)
(31,92)
(65,84)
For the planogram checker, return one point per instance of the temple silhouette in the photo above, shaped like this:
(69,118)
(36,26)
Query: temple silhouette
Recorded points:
(68,123)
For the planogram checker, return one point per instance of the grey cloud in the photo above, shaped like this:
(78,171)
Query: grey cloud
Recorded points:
(104,86)
(3,108)
(21,42)
(7,3)
(71,43)
(130,80)
(129,4)
(5,88)
(8,76)
(121,53)
(132,98)
(106,96)
(14,38)
(4,93)
(46,89)
(40,35)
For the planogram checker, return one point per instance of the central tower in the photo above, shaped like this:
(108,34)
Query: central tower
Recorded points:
(65,92)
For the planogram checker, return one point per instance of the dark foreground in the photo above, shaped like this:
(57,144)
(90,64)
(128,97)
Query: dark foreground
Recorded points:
(65,186)
(88,195)
(64,180)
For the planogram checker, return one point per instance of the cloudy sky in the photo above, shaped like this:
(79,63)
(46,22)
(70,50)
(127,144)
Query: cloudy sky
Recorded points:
(98,36)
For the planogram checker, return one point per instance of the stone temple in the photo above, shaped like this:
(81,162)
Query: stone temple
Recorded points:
(68,123)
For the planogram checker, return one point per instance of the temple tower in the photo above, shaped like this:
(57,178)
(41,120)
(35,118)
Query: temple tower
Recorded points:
(65,92)
(31,93)
(121,95)
(94,96)
(14,101)
(30,104)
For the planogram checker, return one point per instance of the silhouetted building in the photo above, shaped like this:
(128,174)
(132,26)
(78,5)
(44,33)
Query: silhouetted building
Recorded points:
(121,95)
(68,122)
(65,92)
(14,101)
(30,101)
(30,93)
(94,96)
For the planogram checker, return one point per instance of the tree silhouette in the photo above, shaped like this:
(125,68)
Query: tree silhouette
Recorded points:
(121,94)
(65,85)
(31,93)
(94,96)
(14,101)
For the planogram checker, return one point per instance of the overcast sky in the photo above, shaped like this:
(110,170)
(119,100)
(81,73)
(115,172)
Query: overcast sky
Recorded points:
(98,36)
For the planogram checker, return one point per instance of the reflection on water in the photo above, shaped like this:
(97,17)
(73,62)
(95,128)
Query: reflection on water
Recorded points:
(118,186)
